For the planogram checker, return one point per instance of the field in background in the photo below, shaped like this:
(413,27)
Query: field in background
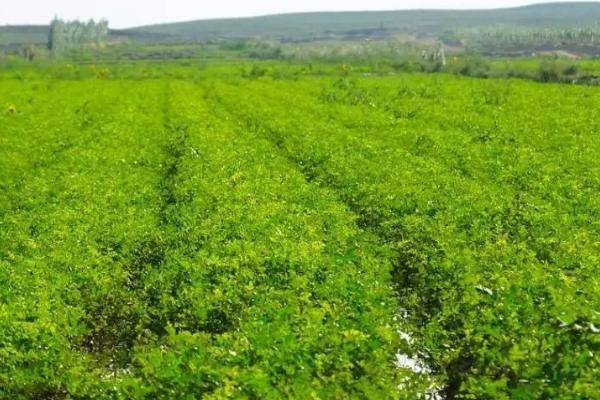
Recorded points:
(271,230)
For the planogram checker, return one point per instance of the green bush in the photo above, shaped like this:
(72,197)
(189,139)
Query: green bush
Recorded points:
(186,232)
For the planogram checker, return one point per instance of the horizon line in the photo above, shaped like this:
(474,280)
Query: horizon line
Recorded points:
(532,4)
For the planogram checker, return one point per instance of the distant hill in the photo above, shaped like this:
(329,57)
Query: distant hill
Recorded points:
(23,35)
(342,25)
(347,24)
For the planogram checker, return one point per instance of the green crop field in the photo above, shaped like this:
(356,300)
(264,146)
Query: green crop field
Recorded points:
(272,231)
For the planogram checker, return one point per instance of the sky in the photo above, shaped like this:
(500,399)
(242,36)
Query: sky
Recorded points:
(129,13)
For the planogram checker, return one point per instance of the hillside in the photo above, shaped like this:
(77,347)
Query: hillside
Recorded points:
(343,25)
(348,24)
(23,35)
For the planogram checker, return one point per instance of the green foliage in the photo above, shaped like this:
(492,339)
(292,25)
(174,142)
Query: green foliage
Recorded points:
(492,262)
(470,65)
(169,254)
(65,35)
(552,71)
(183,231)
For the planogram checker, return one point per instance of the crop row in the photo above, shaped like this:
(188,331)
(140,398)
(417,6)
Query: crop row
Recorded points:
(78,206)
(487,206)
(152,249)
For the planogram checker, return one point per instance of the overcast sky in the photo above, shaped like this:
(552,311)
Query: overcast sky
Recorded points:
(127,13)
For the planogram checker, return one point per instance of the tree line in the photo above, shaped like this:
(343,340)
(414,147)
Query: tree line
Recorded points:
(74,34)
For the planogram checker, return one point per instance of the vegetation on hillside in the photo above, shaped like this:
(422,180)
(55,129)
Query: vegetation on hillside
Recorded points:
(568,27)
(428,23)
